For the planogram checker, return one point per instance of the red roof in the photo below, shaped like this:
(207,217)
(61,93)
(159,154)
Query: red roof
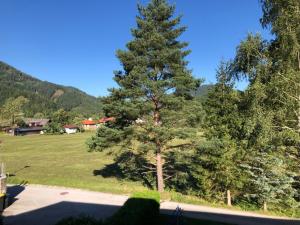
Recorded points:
(89,122)
(94,122)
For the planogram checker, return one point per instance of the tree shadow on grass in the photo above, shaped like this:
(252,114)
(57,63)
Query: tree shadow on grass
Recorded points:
(110,170)
(134,167)
(129,166)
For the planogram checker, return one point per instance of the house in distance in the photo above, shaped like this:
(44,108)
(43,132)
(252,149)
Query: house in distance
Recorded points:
(33,126)
(91,124)
(71,129)
(32,122)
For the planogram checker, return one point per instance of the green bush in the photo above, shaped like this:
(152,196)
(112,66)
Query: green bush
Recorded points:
(142,208)
(54,128)
(20,123)
(147,195)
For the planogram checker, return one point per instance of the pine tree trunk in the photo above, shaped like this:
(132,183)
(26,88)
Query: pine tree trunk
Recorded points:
(228,198)
(265,206)
(298,55)
(159,173)
(299,114)
(159,163)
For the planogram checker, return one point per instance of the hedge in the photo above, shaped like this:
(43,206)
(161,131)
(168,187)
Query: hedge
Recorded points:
(141,208)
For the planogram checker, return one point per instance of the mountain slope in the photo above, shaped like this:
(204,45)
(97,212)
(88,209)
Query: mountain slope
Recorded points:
(203,90)
(44,97)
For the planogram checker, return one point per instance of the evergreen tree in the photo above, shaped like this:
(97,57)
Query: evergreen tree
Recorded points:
(220,155)
(270,180)
(222,105)
(154,87)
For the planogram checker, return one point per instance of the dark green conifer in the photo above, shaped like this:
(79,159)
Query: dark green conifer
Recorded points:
(154,87)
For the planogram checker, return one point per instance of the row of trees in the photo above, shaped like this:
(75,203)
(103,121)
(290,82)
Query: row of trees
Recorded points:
(60,118)
(237,144)
(262,123)
(12,114)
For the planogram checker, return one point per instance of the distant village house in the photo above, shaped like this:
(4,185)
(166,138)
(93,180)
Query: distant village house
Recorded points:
(34,126)
(71,129)
(91,124)
(31,122)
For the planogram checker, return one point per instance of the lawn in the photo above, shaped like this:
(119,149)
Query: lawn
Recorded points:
(61,160)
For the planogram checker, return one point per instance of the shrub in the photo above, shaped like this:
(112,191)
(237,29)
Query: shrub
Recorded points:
(20,123)
(54,128)
(154,195)
(142,208)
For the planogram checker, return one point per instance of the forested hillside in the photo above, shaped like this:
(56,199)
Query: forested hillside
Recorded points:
(44,97)
(203,90)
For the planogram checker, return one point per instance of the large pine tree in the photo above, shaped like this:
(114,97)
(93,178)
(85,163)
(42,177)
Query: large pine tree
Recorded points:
(220,155)
(154,87)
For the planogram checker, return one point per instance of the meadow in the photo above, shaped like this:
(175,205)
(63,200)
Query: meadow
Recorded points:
(64,160)
(61,160)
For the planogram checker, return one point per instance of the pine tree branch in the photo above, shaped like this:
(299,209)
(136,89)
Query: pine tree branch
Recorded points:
(180,145)
(146,172)
(289,80)
(149,168)
(285,127)
(291,96)
(168,177)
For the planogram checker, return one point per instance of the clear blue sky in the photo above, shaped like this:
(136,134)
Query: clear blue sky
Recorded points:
(73,42)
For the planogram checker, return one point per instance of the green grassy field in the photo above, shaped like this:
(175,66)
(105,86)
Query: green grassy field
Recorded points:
(61,160)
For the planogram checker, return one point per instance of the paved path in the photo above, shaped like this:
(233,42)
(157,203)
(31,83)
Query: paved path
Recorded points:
(43,205)
(226,215)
